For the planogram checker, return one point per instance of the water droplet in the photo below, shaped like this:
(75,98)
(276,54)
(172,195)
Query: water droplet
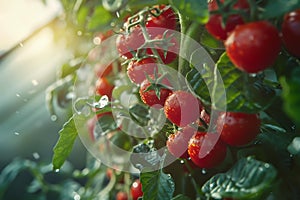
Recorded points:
(118,14)
(70,96)
(77,197)
(267,165)
(36,155)
(34,82)
(204,171)
(18,95)
(97,40)
(56,170)
(17,133)
(182,161)
(21,44)
(79,33)
(53,118)
(252,75)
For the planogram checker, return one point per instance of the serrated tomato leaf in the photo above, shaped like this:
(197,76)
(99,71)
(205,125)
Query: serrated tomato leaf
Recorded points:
(64,145)
(194,9)
(157,185)
(225,86)
(248,178)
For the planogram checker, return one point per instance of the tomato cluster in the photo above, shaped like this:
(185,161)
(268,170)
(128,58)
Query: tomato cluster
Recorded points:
(252,46)
(147,48)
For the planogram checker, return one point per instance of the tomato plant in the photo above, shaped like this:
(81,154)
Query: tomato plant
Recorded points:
(223,77)
(219,28)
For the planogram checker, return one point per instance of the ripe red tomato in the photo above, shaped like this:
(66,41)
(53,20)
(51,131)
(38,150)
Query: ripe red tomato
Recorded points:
(238,129)
(177,143)
(182,108)
(121,196)
(291,32)
(206,149)
(128,43)
(254,46)
(166,20)
(148,92)
(91,126)
(136,189)
(138,69)
(168,50)
(214,25)
(104,87)
(102,70)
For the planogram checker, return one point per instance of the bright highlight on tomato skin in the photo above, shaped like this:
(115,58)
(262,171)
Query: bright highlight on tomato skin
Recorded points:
(206,150)
(291,32)
(182,108)
(138,70)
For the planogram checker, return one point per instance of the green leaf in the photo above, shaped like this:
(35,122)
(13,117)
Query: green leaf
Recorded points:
(100,19)
(64,145)
(180,197)
(196,10)
(10,172)
(157,185)
(70,67)
(277,8)
(145,156)
(106,123)
(291,94)
(242,92)
(274,146)
(249,178)
(139,114)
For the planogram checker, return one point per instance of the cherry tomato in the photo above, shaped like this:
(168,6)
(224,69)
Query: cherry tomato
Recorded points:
(104,87)
(182,108)
(138,69)
(238,129)
(148,92)
(254,46)
(102,71)
(136,189)
(167,50)
(91,126)
(128,43)
(291,32)
(206,149)
(166,20)
(121,196)
(214,25)
(177,143)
